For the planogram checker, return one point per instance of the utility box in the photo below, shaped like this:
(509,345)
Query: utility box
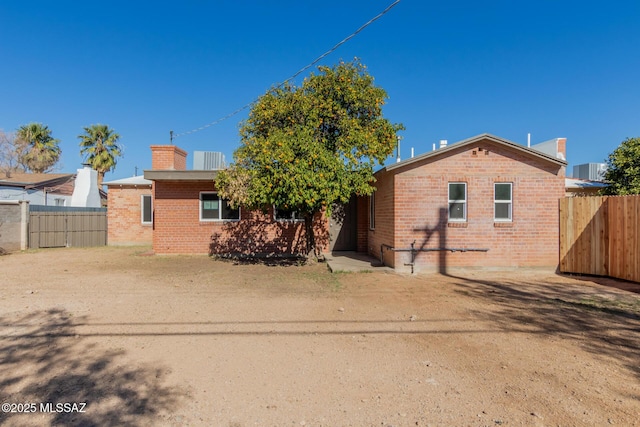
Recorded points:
(590,171)
(208,160)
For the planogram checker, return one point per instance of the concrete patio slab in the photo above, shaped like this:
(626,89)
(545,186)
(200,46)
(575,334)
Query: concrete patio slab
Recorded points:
(354,262)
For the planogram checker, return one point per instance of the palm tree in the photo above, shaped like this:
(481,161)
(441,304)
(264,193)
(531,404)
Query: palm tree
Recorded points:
(100,145)
(39,151)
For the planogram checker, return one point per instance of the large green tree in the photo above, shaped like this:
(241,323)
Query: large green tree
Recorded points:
(307,148)
(623,169)
(38,150)
(99,145)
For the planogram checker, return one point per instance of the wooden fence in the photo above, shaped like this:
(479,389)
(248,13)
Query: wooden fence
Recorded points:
(601,236)
(58,226)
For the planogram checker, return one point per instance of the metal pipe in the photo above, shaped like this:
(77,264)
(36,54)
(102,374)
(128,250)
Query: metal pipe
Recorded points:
(391,248)
(441,250)
(415,251)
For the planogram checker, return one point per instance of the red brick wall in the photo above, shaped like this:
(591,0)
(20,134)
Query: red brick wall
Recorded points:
(419,206)
(384,231)
(124,216)
(362,220)
(178,229)
(165,157)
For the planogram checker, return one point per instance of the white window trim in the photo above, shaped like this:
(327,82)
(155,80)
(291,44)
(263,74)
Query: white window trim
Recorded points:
(509,202)
(142,221)
(464,203)
(219,219)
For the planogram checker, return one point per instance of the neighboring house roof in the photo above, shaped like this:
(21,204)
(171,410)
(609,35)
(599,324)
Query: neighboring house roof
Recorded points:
(472,141)
(181,175)
(61,183)
(583,184)
(134,181)
(30,179)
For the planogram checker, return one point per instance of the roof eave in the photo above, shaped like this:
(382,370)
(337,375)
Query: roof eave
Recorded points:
(180,175)
(140,182)
(37,183)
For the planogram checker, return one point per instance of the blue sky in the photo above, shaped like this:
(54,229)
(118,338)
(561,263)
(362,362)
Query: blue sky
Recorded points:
(452,70)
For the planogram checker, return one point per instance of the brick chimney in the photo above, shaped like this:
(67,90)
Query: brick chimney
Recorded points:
(168,157)
(562,148)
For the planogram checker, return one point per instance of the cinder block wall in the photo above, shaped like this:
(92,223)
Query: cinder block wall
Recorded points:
(413,202)
(178,229)
(14,215)
(124,216)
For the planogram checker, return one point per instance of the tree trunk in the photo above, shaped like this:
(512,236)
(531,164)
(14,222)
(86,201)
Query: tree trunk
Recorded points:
(310,235)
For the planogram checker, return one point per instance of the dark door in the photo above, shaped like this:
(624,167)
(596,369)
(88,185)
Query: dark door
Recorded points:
(343,227)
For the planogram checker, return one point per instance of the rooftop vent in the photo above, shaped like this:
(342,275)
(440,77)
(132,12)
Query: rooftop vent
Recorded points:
(590,171)
(208,160)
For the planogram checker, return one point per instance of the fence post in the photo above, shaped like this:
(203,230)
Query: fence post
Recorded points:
(66,229)
(24,224)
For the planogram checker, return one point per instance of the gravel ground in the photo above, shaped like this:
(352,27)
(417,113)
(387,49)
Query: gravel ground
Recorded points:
(186,340)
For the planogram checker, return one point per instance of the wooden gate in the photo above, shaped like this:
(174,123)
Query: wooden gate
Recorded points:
(601,236)
(343,227)
(60,226)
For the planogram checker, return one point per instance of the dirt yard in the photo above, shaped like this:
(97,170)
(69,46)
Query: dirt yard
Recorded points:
(174,341)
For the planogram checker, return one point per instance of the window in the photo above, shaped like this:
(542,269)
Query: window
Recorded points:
(372,211)
(282,214)
(147,212)
(60,202)
(213,208)
(502,201)
(457,201)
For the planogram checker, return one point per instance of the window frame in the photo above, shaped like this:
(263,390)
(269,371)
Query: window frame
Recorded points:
(451,201)
(220,210)
(142,197)
(294,215)
(509,202)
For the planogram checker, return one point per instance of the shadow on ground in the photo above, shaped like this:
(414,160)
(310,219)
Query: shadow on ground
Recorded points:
(270,260)
(623,285)
(42,360)
(602,322)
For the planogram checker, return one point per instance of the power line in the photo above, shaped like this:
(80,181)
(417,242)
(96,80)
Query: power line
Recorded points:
(352,35)
(303,69)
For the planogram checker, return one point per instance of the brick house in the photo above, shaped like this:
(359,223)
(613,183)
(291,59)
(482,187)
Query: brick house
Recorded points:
(482,202)
(190,218)
(130,211)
